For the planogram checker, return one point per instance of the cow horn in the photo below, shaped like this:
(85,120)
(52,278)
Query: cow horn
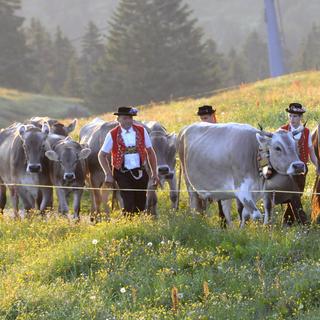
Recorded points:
(267,134)
(260,127)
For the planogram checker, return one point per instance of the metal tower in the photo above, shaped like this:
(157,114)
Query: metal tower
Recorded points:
(276,60)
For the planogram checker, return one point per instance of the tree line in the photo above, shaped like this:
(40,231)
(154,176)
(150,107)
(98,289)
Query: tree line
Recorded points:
(154,51)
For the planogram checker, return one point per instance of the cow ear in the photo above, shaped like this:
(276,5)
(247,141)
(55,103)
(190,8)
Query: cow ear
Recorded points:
(52,155)
(84,153)
(45,128)
(72,125)
(22,130)
(172,139)
(263,139)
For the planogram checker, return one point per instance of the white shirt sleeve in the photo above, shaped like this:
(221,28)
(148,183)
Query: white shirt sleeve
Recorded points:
(310,140)
(108,143)
(147,139)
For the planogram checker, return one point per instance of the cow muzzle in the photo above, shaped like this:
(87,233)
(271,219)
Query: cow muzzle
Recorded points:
(34,167)
(163,170)
(169,176)
(69,176)
(296,168)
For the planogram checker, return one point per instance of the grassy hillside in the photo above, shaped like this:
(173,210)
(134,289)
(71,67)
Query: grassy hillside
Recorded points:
(180,266)
(18,106)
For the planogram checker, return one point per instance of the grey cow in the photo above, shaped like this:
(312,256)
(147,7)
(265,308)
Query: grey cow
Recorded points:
(22,154)
(67,169)
(223,157)
(165,147)
(93,134)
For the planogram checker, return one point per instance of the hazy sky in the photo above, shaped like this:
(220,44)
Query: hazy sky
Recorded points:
(228,22)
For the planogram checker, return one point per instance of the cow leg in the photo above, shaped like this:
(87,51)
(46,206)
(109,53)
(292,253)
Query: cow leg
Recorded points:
(297,209)
(267,203)
(46,201)
(3,197)
(96,195)
(77,194)
(151,203)
(250,207)
(173,192)
(63,203)
(28,201)
(239,208)
(15,201)
(225,207)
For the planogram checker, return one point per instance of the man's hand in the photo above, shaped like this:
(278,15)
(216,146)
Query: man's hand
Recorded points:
(155,179)
(108,180)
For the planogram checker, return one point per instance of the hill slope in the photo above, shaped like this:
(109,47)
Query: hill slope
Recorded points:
(180,266)
(18,106)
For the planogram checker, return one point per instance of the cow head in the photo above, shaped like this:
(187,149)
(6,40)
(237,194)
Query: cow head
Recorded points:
(67,153)
(34,145)
(283,151)
(59,128)
(165,146)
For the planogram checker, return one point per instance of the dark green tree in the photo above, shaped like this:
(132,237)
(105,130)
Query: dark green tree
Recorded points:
(63,53)
(236,73)
(308,56)
(91,53)
(40,44)
(73,83)
(255,58)
(15,62)
(154,51)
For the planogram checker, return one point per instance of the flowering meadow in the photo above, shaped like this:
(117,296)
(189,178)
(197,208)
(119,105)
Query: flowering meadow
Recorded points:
(180,265)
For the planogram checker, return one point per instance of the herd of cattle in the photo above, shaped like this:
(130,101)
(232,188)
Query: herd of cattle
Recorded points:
(219,162)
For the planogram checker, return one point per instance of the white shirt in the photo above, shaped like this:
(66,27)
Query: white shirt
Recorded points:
(298,135)
(132,160)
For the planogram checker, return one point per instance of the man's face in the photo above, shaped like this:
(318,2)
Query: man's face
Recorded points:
(208,118)
(125,121)
(295,119)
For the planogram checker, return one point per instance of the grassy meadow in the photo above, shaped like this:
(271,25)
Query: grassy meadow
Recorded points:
(181,265)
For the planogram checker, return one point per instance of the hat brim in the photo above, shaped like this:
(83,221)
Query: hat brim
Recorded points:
(295,111)
(205,113)
(125,114)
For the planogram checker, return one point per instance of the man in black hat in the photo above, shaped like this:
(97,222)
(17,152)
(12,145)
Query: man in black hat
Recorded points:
(129,146)
(306,152)
(207,114)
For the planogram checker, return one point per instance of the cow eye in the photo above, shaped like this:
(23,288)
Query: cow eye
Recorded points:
(278,149)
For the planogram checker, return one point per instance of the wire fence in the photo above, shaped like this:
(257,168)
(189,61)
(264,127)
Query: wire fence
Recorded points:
(104,188)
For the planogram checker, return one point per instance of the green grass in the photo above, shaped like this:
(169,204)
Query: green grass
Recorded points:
(126,269)
(18,106)
(53,270)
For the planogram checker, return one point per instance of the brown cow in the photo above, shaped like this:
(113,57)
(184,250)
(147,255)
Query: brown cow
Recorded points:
(315,213)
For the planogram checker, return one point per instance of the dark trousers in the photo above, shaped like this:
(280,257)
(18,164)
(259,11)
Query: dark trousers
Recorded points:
(294,211)
(133,201)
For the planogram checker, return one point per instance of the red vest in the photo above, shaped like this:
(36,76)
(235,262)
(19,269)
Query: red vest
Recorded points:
(303,146)
(119,148)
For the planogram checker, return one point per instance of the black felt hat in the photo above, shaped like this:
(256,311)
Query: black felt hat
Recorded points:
(205,110)
(296,108)
(126,111)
